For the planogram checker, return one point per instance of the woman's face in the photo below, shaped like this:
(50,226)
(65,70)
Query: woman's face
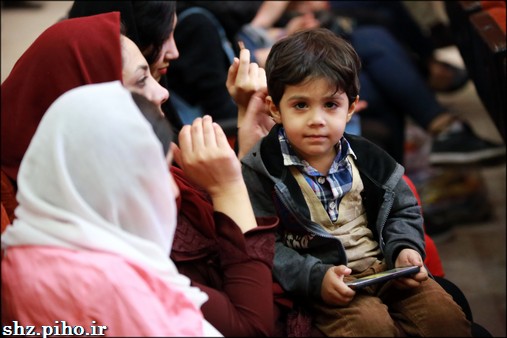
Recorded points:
(136,74)
(168,52)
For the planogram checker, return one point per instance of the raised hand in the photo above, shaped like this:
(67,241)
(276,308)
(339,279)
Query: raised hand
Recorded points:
(256,123)
(243,80)
(206,157)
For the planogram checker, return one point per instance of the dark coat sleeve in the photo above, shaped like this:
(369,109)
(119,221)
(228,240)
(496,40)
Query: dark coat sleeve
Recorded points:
(199,75)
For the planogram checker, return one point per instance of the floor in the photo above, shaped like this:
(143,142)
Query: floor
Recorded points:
(473,256)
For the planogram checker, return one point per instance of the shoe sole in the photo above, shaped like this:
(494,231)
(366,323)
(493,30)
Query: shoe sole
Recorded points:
(473,157)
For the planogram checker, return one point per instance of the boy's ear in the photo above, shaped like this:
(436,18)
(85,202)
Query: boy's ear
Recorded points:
(273,110)
(352,108)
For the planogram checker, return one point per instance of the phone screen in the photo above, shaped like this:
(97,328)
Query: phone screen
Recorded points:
(383,276)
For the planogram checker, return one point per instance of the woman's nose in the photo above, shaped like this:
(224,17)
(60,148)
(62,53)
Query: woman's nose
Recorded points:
(163,96)
(159,94)
(171,51)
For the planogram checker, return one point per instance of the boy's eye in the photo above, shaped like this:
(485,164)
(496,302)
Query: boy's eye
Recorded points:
(300,105)
(330,105)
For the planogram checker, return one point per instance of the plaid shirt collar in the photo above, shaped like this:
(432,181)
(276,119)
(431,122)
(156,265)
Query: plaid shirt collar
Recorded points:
(329,187)
(343,149)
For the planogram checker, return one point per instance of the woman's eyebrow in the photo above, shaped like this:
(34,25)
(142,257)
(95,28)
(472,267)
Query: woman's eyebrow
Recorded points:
(142,67)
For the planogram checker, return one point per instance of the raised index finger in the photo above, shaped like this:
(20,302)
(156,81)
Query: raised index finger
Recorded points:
(244,63)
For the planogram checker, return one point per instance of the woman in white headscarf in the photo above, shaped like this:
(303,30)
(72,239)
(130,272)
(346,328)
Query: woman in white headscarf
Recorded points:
(89,249)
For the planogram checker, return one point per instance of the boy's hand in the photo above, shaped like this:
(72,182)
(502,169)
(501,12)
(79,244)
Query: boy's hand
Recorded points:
(408,257)
(334,290)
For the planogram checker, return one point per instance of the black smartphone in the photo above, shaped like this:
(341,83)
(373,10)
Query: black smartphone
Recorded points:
(383,276)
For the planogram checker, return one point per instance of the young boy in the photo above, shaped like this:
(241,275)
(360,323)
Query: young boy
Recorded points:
(345,210)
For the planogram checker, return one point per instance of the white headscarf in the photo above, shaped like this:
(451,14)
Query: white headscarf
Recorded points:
(95,178)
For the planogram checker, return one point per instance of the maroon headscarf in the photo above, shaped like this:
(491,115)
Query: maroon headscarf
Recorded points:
(69,54)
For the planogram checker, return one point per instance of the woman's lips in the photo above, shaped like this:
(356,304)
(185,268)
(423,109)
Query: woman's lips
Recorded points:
(162,71)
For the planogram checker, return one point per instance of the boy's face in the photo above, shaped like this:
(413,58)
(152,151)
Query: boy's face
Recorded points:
(314,117)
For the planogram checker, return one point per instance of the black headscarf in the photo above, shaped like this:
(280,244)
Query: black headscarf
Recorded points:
(138,29)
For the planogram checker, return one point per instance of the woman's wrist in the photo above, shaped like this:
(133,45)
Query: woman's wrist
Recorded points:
(234,202)
(241,115)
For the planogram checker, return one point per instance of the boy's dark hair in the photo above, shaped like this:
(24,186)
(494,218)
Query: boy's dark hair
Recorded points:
(159,123)
(312,53)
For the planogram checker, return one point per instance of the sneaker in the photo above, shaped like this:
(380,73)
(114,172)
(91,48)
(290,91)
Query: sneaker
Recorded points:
(460,145)
(445,77)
